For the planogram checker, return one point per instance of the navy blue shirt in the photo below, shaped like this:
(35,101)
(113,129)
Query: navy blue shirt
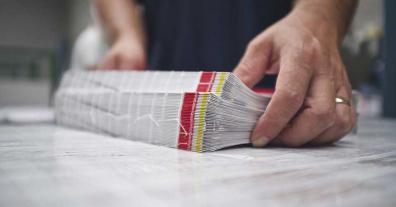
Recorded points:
(205,34)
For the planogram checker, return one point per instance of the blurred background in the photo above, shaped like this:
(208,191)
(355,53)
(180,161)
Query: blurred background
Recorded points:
(36,40)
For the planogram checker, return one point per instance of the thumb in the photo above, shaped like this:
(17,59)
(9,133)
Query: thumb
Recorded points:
(254,63)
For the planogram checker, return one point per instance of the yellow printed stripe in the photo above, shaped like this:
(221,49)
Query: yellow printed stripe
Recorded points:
(201,117)
(221,83)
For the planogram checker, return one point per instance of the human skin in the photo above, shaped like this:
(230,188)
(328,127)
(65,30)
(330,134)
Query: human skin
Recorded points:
(125,33)
(303,48)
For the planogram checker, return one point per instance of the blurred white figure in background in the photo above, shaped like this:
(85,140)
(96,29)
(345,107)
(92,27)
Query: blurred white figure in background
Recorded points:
(90,46)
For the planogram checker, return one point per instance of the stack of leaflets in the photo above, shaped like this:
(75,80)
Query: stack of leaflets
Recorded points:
(195,111)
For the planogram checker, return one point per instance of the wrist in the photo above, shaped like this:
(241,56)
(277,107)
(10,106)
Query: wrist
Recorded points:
(320,20)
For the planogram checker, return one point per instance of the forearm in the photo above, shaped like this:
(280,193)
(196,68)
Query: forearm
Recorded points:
(121,18)
(327,17)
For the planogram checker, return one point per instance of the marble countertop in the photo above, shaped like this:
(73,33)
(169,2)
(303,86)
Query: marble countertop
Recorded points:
(45,165)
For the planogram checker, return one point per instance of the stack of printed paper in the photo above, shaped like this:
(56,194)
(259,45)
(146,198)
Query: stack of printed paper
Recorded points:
(196,111)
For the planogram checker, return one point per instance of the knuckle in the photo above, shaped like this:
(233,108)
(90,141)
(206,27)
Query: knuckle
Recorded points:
(325,115)
(258,44)
(245,67)
(254,45)
(338,70)
(310,49)
(292,96)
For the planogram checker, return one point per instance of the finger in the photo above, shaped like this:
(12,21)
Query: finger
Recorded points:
(344,122)
(291,88)
(340,128)
(109,62)
(254,63)
(317,116)
(132,64)
(345,115)
(141,65)
(274,69)
(126,64)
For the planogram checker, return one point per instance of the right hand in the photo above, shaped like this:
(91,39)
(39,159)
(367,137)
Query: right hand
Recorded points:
(304,50)
(126,53)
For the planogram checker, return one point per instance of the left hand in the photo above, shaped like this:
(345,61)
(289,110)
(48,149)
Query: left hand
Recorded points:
(126,53)
(304,51)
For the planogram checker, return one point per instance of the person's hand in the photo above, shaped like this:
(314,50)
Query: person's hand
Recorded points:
(125,54)
(304,51)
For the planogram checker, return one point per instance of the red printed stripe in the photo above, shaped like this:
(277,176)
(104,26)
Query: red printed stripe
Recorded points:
(187,121)
(188,108)
(206,81)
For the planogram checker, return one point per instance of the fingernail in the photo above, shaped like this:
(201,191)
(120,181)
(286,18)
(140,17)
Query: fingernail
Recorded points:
(260,141)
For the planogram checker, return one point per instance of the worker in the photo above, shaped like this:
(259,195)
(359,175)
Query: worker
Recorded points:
(297,40)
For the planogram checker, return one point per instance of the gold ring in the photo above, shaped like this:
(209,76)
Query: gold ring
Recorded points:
(341,100)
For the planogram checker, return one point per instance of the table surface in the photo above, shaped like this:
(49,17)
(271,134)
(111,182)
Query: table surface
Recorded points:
(52,166)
